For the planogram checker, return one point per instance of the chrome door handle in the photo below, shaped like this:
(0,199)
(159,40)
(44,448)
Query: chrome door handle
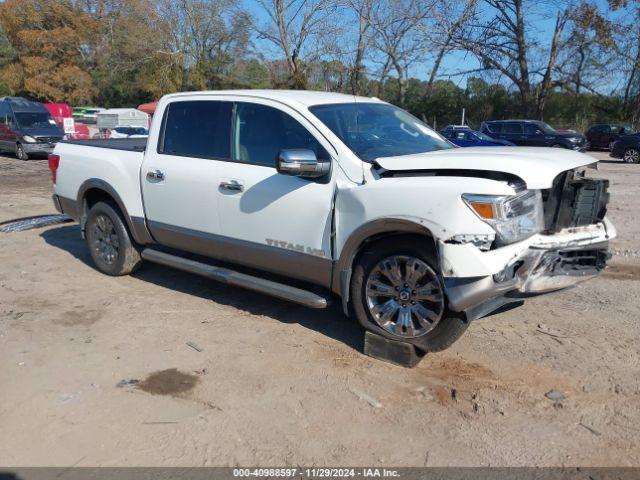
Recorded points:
(155,175)
(232,185)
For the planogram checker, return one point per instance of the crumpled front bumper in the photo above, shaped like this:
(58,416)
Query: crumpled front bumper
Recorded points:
(479,283)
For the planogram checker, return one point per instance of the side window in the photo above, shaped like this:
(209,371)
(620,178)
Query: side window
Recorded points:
(260,132)
(495,127)
(199,128)
(532,129)
(513,127)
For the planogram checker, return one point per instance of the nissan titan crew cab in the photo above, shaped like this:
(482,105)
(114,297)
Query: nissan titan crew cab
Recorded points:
(309,195)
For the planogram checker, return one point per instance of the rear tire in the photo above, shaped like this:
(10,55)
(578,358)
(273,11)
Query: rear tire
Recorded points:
(20,152)
(436,334)
(110,245)
(631,155)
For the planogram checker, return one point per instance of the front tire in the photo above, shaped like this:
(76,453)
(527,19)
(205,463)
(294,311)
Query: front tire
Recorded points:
(397,292)
(110,245)
(21,154)
(631,155)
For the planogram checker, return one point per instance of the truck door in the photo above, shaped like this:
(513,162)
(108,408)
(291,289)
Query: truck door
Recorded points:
(270,220)
(179,175)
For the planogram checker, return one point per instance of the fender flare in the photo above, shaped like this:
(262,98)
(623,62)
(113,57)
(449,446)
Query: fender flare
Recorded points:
(341,277)
(137,226)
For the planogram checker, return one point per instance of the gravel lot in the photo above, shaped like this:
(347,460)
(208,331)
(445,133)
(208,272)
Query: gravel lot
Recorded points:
(276,384)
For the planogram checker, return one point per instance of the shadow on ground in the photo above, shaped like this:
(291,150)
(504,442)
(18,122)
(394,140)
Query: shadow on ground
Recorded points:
(330,322)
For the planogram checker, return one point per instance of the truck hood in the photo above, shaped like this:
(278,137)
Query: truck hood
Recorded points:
(537,167)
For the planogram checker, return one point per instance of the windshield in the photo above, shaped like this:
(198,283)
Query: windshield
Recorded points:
(622,129)
(374,130)
(34,119)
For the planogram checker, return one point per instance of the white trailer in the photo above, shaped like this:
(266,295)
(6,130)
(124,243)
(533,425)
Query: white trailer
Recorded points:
(122,117)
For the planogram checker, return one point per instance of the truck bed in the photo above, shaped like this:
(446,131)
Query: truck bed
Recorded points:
(126,144)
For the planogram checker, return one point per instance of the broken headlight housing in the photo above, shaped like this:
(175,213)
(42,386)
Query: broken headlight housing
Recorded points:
(513,217)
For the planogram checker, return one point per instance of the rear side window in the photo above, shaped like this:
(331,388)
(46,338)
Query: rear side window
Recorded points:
(197,129)
(260,132)
(494,127)
(513,127)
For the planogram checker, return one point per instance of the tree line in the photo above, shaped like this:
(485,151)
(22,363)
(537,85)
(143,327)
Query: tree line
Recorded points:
(568,62)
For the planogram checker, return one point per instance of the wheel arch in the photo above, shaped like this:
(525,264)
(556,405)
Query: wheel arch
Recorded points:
(95,190)
(366,235)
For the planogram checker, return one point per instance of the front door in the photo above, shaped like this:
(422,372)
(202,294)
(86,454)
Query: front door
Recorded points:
(534,135)
(180,175)
(273,221)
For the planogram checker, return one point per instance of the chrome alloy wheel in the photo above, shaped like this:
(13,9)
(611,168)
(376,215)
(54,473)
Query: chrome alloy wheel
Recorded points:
(104,239)
(631,155)
(404,296)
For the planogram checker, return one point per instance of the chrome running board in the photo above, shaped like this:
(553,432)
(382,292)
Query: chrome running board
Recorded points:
(231,277)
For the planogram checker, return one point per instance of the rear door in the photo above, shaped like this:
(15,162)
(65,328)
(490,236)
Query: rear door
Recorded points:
(180,177)
(514,132)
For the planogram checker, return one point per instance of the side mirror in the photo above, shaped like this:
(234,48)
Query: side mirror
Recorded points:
(301,163)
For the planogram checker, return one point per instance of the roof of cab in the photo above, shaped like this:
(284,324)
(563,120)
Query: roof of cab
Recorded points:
(301,97)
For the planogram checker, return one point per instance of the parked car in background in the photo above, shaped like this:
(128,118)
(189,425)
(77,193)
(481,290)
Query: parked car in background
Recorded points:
(627,148)
(533,133)
(129,132)
(464,136)
(604,135)
(417,237)
(27,128)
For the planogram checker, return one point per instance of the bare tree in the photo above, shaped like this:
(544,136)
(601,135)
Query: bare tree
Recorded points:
(628,48)
(587,52)
(449,20)
(299,29)
(501,44)
(396,27)
(362,10)
(204,37)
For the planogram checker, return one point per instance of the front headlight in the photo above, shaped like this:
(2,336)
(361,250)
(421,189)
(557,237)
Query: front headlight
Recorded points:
(514,217)
(29,139)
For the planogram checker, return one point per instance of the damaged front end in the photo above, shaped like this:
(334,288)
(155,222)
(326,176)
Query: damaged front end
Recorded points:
(573,247)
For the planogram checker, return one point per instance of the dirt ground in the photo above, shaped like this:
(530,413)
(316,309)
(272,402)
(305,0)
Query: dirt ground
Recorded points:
(96,371)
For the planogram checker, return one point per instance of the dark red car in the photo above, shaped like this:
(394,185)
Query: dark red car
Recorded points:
(603,135)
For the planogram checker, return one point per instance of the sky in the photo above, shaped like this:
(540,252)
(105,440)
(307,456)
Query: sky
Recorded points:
(542,15)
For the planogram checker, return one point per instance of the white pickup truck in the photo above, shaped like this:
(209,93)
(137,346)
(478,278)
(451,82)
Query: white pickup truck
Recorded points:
(308,195)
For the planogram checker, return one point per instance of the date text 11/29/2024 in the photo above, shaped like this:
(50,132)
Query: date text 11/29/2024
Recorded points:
(316,472)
